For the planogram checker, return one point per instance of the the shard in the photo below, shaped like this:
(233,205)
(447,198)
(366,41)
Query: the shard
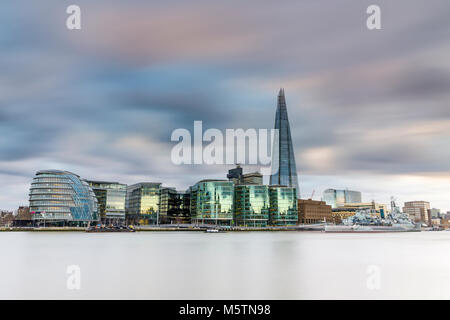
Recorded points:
(284,170)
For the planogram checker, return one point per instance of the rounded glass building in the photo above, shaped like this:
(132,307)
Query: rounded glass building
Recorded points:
(62,198)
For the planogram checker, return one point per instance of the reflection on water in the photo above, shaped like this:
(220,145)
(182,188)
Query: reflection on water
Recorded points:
(247,265)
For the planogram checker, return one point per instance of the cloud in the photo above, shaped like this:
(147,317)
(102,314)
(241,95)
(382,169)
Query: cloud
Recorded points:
(103,101)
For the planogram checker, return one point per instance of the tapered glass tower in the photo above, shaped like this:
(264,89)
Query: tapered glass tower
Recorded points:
(284,171)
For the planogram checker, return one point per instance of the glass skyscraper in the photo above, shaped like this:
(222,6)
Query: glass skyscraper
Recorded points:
(212,202)
(284,170)
(62,198)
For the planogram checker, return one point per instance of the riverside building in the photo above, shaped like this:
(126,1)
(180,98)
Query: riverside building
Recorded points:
(61,198)
(283,206)
(212,202)
(143,203)
(111,200)
(311,211)
(251,206)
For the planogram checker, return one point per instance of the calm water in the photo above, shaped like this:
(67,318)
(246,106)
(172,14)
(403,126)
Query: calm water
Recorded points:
(191,265)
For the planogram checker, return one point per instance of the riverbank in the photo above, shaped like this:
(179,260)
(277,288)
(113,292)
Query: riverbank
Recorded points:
(167,228)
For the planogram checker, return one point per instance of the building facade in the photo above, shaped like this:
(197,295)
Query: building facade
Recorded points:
(212,202)
(338,198)
(283,206)
(311,211)
(62,198)
(418,211)
(142,203)
(284,170)
(111,198)
(251,205)
(169,205)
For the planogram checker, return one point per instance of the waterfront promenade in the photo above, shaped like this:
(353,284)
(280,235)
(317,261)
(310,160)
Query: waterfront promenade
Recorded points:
(171,227)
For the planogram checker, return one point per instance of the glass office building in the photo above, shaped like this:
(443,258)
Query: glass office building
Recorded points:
(212,202)
(142,203)
(283,206)
(111,200)
(61,198)
(251,205)
(284,170)
(169,205)
(338,198)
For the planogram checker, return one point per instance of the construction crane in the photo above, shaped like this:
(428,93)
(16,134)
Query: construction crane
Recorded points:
(312,194)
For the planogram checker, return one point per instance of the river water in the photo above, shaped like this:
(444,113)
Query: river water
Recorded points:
(233,265)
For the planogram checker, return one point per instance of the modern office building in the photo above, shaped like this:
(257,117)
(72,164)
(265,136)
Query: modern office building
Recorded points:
(338,198)
(142,203)
(169,205)
(312,211)
(184,207)
(284,170)
(62,198)
(283,206)
(251,205)
(418,211)
(111,198)
(212,202)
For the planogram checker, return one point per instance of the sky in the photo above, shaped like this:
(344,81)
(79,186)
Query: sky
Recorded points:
(369,109)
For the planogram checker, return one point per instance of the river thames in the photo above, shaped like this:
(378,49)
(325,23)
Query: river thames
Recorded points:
(233,265)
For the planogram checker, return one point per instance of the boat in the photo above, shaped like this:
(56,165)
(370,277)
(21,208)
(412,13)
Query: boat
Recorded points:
(102,228)
(214,230)
(368,221)
(368,229)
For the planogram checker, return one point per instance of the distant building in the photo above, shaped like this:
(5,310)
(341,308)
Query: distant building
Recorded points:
(142,203)
(6,219)
(212,202)
(23,217)
(252,178)
(62,198)
(251,205)
(235,175)
(111,200)
(283,206)
(435,213)
(311,211)
(283,156)
(338,198)
(418,211)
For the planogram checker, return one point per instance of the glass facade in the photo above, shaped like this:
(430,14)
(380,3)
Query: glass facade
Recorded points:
(283,206)
(212,202)
(169,205)
(337,198)
(251,205)
(284,170)
(111,200)
(142,203)
(62,198)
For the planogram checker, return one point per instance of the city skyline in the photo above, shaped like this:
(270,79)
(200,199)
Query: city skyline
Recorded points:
(368,109)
